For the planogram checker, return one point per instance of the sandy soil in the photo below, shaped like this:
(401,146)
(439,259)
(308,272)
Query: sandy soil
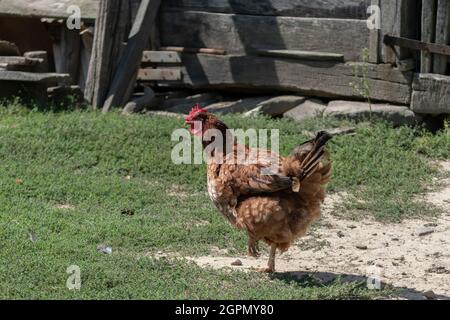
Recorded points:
(413,256)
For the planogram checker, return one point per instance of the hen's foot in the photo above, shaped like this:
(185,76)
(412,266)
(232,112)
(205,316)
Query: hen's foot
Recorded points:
(266,270)
(253,252)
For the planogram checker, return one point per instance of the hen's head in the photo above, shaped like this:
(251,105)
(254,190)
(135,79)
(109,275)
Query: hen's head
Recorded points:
(200,121)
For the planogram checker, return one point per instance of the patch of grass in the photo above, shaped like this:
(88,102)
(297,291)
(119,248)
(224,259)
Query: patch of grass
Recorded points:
(67,177)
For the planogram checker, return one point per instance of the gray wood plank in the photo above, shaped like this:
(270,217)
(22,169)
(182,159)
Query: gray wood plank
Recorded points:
(428,33)
(160,57)
(346,9)
(431,94)
(160,74)
(240,33)
(48,8)
(442,34)
(120,91)
(317,78)
(33,77)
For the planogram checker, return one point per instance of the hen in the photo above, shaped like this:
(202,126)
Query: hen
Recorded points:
(276,208)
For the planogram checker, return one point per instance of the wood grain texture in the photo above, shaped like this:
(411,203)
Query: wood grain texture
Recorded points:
(346,9)
(246,34)
(431,94)
(316,78)
(428,33)
(442,34)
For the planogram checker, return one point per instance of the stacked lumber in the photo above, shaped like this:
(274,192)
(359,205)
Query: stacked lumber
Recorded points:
(27,76)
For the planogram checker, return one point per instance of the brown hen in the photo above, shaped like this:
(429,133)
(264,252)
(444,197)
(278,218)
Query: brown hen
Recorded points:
(275,208)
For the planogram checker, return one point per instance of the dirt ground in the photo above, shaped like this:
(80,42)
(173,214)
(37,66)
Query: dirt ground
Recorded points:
(413,256)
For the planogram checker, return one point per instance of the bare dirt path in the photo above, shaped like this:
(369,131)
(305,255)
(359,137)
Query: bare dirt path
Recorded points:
(413,256)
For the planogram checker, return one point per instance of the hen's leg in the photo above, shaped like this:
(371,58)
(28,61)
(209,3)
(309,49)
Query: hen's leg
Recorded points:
(253,250)
(271,264)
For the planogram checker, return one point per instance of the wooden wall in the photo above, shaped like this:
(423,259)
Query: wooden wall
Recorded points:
(242,27)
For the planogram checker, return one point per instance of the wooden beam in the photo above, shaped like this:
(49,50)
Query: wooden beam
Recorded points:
(21,61)
(442,34)
(417,45)
(110,32)
(315,78)
(239,34)
(342,9)
(159,74)
(431,94)
(47,78)
(157,57)
(66,52)
(132,55)
(428,33)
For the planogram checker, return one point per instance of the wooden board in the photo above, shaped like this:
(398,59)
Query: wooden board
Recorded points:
(48,8)
(320,78)
(157,57)
(33,77)
(246,34)
(349,9)
(431,94)
(442,34)
(428,33)
(19,61)
(8,49)
(159,75)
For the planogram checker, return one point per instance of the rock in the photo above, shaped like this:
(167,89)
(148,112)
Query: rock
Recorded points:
(429,225)
(201,98)
(361,247)
(237,263)
(352,227)
(438,270)
(276,106)
(340,234)
(308,109)
(397,115)
(240,106)
(430,295)
(424,232)
(104,249)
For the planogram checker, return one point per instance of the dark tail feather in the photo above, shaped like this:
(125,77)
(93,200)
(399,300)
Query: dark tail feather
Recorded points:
(312,159)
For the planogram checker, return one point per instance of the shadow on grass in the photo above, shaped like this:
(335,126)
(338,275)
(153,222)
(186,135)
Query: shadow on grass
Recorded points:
(308,279)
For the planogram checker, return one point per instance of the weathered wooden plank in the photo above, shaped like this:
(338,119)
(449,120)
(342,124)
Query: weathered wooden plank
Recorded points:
(66,52)
(21,61)
(42,57)
(241,33)
(346,9)
(374,38)
(302,55)
(33,77)
(428,33)
(48,8)
(317,78)
(160,57)
(431,94)
(110,32)
(160,74)
(442,34)
(120,91)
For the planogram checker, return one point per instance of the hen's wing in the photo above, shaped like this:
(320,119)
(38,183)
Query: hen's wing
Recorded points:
(261,175)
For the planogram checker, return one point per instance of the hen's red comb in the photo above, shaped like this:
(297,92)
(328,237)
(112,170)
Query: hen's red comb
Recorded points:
(195,111)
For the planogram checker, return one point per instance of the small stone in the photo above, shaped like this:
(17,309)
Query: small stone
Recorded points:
(237,263)
(424,232)
(127,211)
(104,249)
(438,270)
(430,295)
(340,234)
(352,227)
(430,225)
(32,236)
(395,239)
(361,247)
(395,264)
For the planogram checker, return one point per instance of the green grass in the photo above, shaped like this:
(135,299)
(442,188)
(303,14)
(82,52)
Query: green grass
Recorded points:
(82,159)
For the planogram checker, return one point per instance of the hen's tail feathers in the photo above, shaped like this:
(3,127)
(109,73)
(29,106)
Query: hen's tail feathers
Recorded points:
(315,150)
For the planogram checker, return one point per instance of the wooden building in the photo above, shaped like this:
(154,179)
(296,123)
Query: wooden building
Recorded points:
(310,47)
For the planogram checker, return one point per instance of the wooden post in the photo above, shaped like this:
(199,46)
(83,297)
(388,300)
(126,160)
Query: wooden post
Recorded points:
(111,30)
(374,40)
(428,33)
(442,34)
(132,55)
(67,52)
